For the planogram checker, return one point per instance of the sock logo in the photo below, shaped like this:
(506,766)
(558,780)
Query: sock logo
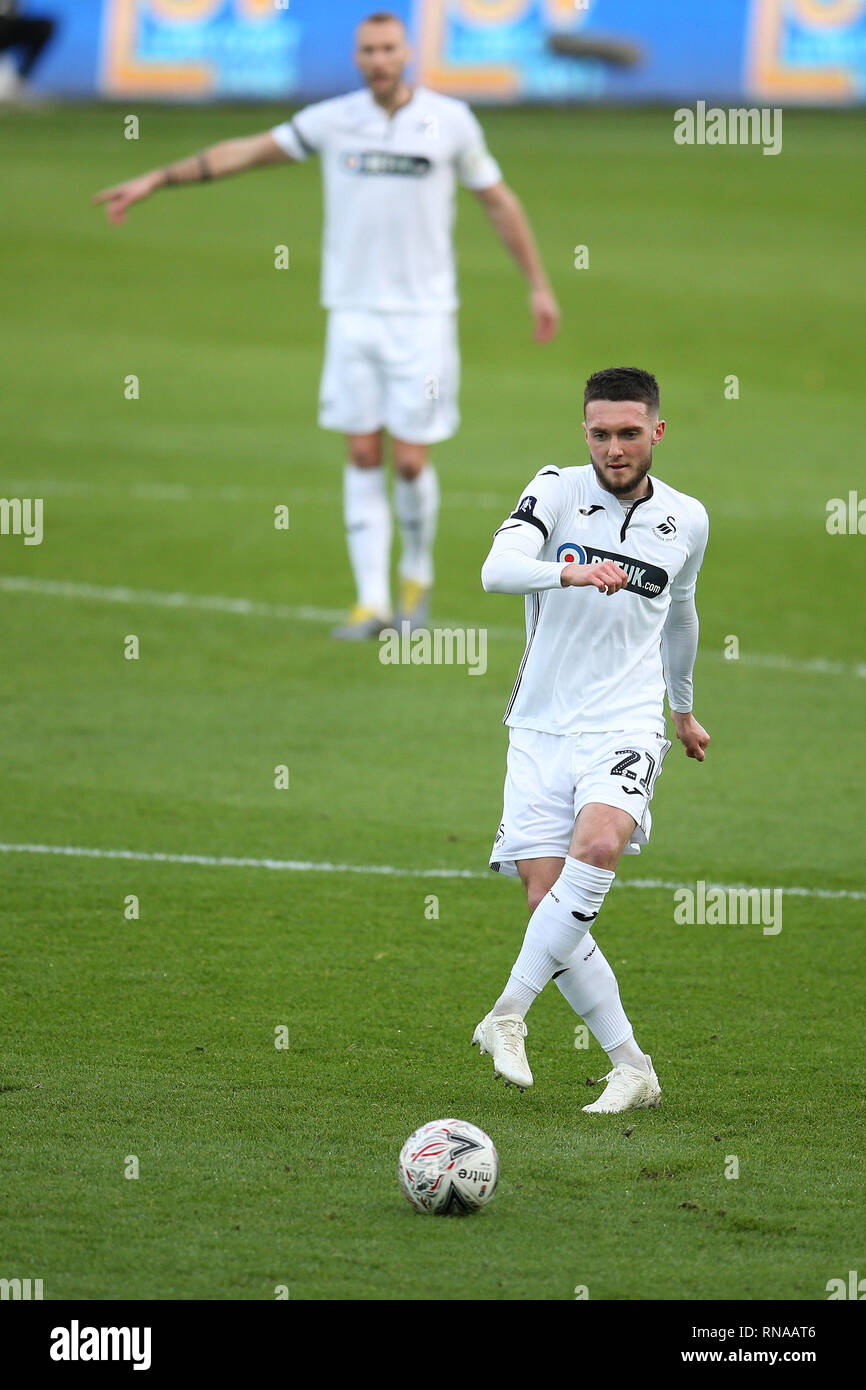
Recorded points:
(581,918)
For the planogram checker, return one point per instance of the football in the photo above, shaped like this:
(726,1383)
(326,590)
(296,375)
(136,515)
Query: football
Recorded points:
(448,1168)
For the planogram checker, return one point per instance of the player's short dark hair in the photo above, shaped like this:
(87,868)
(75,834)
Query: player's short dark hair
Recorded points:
(383,17)
(622,384)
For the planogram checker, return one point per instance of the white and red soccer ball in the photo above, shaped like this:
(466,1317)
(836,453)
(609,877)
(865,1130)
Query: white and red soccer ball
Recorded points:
(448,1168)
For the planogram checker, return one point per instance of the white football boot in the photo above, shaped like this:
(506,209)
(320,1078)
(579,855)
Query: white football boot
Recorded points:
(502,1037)
(627,1089)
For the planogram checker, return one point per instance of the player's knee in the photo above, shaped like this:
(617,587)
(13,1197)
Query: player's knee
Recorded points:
(367,454)
(409,462)
(602,851)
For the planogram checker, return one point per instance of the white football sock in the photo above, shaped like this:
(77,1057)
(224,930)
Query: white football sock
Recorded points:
(561,919)
(515,999)
(590,986)
(367,516)
(416,502)
(631,1053)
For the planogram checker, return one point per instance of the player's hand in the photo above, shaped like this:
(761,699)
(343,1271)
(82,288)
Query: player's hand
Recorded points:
(604,575)
(122,196)
(545,315)
(691,735)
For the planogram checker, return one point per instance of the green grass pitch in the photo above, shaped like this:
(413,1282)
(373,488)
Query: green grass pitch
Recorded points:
(154,1037)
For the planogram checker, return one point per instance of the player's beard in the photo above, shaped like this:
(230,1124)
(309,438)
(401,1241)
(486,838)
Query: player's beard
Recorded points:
(617,488)
(384,92)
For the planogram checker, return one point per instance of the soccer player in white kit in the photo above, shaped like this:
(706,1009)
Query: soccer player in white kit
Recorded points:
(586,716)
(391,157)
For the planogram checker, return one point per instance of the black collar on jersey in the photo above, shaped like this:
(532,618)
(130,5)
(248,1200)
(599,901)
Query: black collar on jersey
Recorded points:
(414,93)
(636,503)
(606,497)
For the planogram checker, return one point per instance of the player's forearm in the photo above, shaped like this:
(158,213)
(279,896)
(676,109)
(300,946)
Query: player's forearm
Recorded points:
(512,227)
(679,650)
(512,572)
(215,162)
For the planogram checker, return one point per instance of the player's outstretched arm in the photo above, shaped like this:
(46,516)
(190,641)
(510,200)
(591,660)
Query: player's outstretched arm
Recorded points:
(217,162)
(509,221)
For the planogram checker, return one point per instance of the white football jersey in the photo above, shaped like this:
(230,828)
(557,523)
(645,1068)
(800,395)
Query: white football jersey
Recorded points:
(389,187)
(593,661)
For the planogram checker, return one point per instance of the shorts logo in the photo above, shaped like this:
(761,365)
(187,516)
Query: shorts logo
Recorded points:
(373,162)
(571,554)
(666,530)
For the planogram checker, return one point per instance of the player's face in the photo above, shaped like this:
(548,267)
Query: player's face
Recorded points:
(381,53)
(621,435)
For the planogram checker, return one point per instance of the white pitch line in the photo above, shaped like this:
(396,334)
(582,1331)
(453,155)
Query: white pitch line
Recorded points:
(212,603)
(185,492)
(307,613)
(213,861)
(157,598)
(236,862)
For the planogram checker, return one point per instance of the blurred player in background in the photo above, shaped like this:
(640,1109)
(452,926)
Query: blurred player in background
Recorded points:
(391,157)
(586,716)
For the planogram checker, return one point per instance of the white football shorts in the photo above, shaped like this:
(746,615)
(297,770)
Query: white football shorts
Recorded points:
(400,372)
(551,777)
